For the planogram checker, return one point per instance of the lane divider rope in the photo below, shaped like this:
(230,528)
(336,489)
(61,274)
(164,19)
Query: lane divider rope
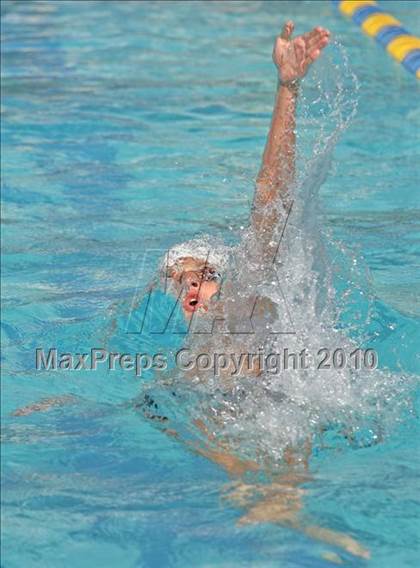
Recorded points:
(386,29)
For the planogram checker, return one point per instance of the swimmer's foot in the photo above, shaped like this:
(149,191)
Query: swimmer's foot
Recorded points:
(280,503)
(338,539)
(285,512)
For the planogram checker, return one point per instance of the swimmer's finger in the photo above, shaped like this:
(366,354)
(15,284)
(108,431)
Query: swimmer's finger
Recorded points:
(299,45)
(312,42)
(312,35)
(315,51)
(311,57)
(309,35)
(324,41)
(287,30)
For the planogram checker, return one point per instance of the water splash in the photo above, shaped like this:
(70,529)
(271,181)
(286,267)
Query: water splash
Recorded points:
(320,293)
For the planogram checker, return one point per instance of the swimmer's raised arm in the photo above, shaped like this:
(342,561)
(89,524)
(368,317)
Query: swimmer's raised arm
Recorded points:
(292,58)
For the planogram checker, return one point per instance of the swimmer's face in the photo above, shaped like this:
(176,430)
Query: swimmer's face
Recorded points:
(199,283)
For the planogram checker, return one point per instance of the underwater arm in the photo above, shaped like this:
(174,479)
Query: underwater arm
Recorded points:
(46,404)
(292,59)
(208,447)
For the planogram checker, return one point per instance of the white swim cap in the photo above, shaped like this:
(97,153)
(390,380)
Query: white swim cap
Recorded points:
(207,249)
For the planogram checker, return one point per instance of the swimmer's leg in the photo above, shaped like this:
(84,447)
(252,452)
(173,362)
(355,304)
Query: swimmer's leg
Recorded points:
(335,538)
(281,503)
(277,501)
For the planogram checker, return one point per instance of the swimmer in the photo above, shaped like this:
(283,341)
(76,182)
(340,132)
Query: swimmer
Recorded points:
(196,279)
(196,276)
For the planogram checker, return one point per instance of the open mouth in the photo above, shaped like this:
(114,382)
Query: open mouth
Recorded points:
(192,304)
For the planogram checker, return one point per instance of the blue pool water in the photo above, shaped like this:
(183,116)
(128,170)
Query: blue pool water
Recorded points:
(128,127)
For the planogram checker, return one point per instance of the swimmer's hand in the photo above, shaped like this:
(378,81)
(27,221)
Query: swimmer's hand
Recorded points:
(293,57)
